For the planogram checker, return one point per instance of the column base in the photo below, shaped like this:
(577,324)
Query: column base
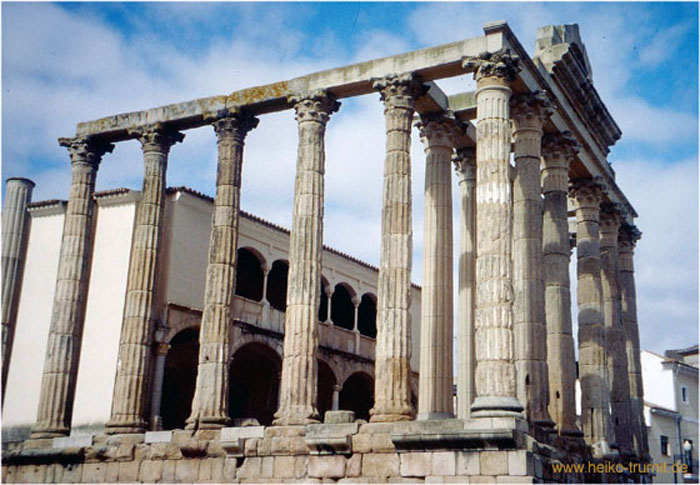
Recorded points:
(291,416)
(571,431)
(391,411)
(48,432)
(496,406)
(428,416)
(208,422)
(125,426)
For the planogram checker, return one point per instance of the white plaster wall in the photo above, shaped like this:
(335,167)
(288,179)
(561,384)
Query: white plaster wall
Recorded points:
(33,320)
(103,318)
(188,249)
(658,381)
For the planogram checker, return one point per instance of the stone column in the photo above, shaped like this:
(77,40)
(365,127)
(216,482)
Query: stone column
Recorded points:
(495,371)
(162,349)
(435,382)
(392,389)
(210,402)
(558,151)
(595,391)
(465,166)
(15,229)
(140,312)
(299,366)
(627,239)
(615,342)
(355,329)
(68,315)
(329,297)
(336,397)
(529,112)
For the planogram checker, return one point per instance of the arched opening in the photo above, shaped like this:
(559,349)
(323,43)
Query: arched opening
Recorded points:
(249,275)
(342,309)
(367,316)
(277,285)
(254,383)
(179,378)
(326,383)
(323,306)
(358,395)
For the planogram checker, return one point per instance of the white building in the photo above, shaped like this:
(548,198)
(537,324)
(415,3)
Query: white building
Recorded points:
(671,412)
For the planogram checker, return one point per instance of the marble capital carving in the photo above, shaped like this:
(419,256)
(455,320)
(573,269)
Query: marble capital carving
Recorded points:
(399,90)
(501,64)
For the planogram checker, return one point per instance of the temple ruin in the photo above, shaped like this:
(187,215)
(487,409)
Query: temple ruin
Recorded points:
(529,150)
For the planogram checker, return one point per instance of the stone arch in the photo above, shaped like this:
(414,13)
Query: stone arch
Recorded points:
(357,394)
(324,388)
(367,315)
(277,285)
(254,383)
(323,305)
(180,378)
(249,274)
(342,307)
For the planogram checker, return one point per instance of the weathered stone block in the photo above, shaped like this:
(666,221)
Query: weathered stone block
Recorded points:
(283,467)
(205,470)
(509,479)
(112,472)
(72,474)
(94,472)
(230,467)
(158,437)
(444,463)
(382,443)
(520,463)
(353,467)
(187,470)
(32,473)
(267,466)
(168,475)
(297,446)
(265,447)
(129,471)
(334,417)
(301,466)
(362,443)
(54,474)
(250,467)
(151,471)
(468,463)
(217,470)
(79,441)
(482,479)
(416,464)
(280,445)
(332,466)
(493,462)
(380,465)
(404,480)
(229,434)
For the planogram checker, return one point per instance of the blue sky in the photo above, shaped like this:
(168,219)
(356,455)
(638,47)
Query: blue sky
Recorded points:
(68,62)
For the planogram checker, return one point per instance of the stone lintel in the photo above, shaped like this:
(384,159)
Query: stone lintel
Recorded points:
(431,63)
(327,439)
(457,440)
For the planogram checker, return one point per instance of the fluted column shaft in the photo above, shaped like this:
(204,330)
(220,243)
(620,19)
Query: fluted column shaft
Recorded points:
(615,341)
(435,383)
(299,365)
(68,315)
(529,112)
(392,389)
(628,237)
(15,225)
(210,402)
(595,390)
(465,166)
(495,371)
(140,312)
(559,149)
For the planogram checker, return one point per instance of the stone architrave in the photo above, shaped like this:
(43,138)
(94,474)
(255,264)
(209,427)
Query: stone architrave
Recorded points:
(627,239)
(392,389)
(529,111)
(495,370)
(140,312)
(465,166)
(435,401)
(558,151)
(299,365)
(68,315)
(596,424)
(210,403)
(615,342)
(15,224)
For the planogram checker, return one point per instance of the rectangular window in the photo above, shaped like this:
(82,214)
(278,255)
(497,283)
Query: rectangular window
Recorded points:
(664,445)
(684,394)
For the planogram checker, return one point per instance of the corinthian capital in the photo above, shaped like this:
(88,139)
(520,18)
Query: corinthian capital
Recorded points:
(628,236)
(465,164)
(315,106)
(533,107)
(235,124)
(500,64)
(399,90)
(86,149)
(156,137)
(587,192)
(560,146)
(439,129)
